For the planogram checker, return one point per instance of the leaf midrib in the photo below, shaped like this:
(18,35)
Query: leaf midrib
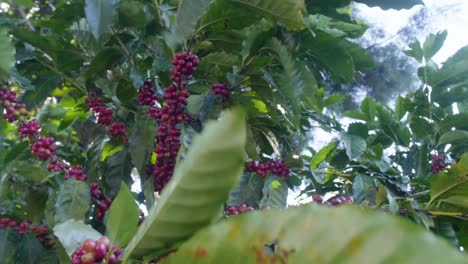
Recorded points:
(464,179)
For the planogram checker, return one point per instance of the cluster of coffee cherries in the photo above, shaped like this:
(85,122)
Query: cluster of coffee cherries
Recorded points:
(42,232)
(105,117)
(146,94)
(169,116)
(274,166)
(76,172)
(221,90)
(236,209)
(118,129)
(29,129)
(318,199)
(13,109)
(437,163)
(41,146)
(93,252)
(100,201)
(185,65)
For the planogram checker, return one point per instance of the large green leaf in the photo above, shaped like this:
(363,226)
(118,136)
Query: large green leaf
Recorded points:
(236,14)
(9,239)
(249,190)
(355,146)
(103,61)
(391,4)
(451,187)
(329,53)
(72,234)
(316,235)
(334,27)
(7,53)
(141,142)
(44,85)
(363,188)
(123,217)
(288,12)
(211,166)
(115,169)
(291,82)
(29,250)
(275,192)
(100,15)
(322,154)
(188,14)
(433,44)
(454,137)
(73,201)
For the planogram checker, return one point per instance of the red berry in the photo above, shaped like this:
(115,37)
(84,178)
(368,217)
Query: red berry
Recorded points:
(100,250)
(87,258)
(105,241)
(89,245)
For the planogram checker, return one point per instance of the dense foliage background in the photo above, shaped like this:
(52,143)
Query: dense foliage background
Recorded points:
(97,78)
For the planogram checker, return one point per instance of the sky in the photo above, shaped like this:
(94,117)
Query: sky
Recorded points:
(451,15)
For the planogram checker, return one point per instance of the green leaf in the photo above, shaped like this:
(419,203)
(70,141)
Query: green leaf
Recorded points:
(275,192)
(104,61)
(249,190)
(288,12)
(133,13)
(123,217)
(415,51)
(215,65)
(421,127)
(454,137)
(212,165)
(322,154)
(455,121)
(100,15)
(330,54)
(457,200)
(358,129)
(454,183)
(224,14)
(362,59)
(433,44)
(363,188)
(7,53)
(355,114)
(188,14)
(334,27)
(29,250)
(110,148)
(316,235)
(72,234)
(391,4)
(355,146)
(141,142)
(115,169)
(25,3)
(44,85)
(291,80)
(9,239)
(73,201)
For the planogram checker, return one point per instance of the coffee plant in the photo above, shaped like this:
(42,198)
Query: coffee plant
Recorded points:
(179,131)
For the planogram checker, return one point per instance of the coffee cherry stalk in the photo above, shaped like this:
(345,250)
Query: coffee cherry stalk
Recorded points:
(169,116)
